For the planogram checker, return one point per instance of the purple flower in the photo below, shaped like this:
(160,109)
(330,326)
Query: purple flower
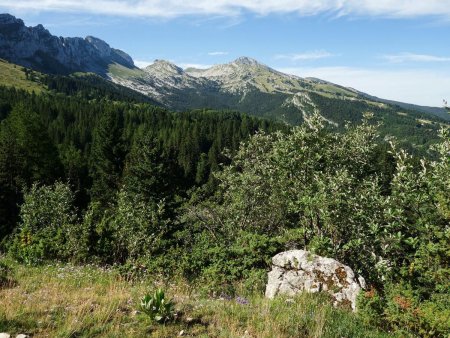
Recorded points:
(242,301)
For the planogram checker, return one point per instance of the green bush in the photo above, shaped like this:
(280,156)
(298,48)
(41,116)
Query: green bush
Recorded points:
(325,192)
(138,227)
(47,222)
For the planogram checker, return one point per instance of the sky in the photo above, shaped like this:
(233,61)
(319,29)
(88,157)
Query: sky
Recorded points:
(393,49)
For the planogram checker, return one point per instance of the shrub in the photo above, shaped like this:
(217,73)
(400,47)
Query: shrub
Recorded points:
(138,227)
(325,192)
(47,220)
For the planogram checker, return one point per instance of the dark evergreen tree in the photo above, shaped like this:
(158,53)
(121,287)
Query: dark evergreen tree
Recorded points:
(146,170)
(27,155)
(107,156)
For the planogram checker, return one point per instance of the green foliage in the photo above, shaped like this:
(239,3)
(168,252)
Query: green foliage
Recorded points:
(92,87)
(27,155)
(47,222)
(107,156)
(147,171)
(138,228)
(157,307)
(311,182)
(322,191)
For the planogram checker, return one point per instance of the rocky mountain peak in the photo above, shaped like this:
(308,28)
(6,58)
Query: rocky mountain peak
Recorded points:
(103,48)
(8,19)
(246,61)
(36,47)
(164,67)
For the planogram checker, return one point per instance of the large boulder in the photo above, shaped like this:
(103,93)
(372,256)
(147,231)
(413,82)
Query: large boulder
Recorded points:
(296,271)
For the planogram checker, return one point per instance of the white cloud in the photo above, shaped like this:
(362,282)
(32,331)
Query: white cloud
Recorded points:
(418,86)
(175,8)
(410,57)
(217,53)
(314,55)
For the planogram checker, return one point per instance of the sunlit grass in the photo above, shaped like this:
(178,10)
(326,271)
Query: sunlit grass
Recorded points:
(71,301)
(13,76)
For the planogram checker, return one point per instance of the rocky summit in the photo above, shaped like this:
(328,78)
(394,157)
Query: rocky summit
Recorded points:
(36,48)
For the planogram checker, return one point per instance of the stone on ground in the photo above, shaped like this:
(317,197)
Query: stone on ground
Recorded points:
(296,271)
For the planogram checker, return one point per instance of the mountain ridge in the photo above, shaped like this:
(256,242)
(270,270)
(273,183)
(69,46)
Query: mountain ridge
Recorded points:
(35,47)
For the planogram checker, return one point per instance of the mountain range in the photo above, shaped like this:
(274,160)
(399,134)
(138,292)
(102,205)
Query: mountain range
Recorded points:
(244,84)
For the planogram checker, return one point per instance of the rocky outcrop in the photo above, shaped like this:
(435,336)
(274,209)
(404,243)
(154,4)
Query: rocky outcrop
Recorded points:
(299,270)
(36,48)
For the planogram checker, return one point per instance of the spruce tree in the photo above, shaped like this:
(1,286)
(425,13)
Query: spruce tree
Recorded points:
(27,155)
(107,156)
(145,171)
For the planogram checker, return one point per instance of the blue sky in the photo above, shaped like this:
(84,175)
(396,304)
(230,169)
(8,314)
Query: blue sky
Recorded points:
(392,49)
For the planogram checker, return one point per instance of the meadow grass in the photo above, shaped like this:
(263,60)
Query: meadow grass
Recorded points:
(87,301)
(13,76)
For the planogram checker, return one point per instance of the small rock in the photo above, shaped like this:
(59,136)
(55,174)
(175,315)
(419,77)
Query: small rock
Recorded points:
(189,320)
(182,333)
(5,335)
(22,336)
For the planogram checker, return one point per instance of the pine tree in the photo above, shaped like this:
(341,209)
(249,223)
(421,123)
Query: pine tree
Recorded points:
(27,155)
(145,172)
(107,156)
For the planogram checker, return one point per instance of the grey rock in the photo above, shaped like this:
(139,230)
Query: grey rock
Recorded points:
(36,48)
(297,271)
(22,336)
(5,335)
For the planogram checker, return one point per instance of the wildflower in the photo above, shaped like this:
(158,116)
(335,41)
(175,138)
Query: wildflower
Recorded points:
(242,301)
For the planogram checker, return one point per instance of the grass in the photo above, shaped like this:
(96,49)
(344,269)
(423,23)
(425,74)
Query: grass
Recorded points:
(423,121)
(12,75)
(124,72)
(72,301)
(332,89)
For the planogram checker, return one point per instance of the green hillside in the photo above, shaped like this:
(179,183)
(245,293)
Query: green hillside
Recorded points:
(19,77)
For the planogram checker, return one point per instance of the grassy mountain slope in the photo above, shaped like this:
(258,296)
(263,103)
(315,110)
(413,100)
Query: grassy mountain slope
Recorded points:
(86,85)
(12,75)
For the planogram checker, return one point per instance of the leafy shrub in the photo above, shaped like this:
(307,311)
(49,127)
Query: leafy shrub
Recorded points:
(157,307)
(325,192)
(408,314)
(47,221)
(137,226)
